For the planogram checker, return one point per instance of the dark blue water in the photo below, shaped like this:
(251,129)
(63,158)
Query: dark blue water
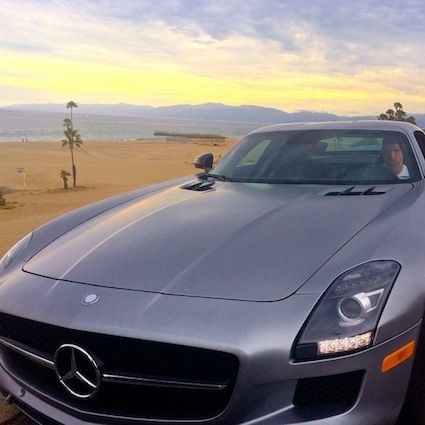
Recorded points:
(18,125)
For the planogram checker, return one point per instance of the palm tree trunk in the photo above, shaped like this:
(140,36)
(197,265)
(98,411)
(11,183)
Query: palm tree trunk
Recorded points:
(74,169)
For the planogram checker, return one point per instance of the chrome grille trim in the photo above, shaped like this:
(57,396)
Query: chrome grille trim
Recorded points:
(116,377)
(27,353)
(138,380)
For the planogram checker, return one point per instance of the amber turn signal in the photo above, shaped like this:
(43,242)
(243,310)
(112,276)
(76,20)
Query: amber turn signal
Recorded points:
(398,357)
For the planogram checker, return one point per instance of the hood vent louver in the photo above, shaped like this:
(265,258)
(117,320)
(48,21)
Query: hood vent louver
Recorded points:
(352,191)
(199,186)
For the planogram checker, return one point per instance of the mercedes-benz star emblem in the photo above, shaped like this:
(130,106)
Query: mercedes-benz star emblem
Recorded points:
(77,371)
(90,299)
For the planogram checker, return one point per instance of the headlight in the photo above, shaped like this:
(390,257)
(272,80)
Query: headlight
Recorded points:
(346,317)
(14,251)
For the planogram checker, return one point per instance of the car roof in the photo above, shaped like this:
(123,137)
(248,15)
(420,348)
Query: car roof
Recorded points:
(342,125)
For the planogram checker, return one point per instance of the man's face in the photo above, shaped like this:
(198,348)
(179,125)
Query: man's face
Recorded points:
(393,157)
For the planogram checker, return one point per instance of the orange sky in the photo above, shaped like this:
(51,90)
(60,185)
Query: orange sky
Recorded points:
(288,58)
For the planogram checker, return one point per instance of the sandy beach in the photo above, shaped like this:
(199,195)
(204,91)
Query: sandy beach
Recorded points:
(104,169)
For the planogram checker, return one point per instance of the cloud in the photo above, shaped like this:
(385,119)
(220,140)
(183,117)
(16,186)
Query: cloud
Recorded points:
(362,29)
(337,50)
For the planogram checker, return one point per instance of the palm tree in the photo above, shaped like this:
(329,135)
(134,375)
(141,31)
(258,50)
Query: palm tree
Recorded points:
(71,104)
(390,114)
(64,176)
(71,138)
(397,114)
(400,115)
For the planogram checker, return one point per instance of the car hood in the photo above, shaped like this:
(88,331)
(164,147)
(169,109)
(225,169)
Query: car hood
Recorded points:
(236,241)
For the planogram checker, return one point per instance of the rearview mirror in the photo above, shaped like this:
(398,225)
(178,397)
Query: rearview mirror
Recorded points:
(204,161)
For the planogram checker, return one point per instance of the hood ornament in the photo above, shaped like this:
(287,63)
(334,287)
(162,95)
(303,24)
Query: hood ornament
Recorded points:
(90,299)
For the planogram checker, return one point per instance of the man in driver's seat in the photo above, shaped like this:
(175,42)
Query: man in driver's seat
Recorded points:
(393,159)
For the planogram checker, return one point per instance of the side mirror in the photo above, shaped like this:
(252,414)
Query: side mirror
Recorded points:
(204,161)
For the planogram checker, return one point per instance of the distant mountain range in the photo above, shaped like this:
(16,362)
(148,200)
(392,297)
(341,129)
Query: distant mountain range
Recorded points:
(206,111)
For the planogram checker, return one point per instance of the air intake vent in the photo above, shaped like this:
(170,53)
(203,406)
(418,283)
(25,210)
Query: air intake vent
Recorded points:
(199,186)
(353,191)
(334,389)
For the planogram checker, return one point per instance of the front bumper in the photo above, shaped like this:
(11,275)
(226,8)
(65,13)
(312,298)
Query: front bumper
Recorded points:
(259,334)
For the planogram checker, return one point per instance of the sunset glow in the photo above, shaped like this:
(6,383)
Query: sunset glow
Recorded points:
(278,54)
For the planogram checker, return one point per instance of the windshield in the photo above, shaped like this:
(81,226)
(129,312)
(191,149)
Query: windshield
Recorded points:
(321,157)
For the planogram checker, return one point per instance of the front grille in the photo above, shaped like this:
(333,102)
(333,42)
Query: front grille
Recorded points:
(126,356)
(335,390)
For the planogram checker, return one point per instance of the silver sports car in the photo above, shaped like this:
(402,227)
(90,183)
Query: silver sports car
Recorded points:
(285,285)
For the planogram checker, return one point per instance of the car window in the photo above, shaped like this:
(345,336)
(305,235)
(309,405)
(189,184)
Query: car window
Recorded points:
(322,157)
(255,153)
(420,137)
(341,143)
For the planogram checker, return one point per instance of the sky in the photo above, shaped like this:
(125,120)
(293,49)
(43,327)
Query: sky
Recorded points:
(345,57)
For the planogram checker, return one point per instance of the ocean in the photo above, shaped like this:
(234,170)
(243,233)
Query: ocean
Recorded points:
(47,126)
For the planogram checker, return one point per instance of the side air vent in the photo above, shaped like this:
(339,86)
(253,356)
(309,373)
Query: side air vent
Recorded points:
(353,191)
(329,390)
(199,186)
